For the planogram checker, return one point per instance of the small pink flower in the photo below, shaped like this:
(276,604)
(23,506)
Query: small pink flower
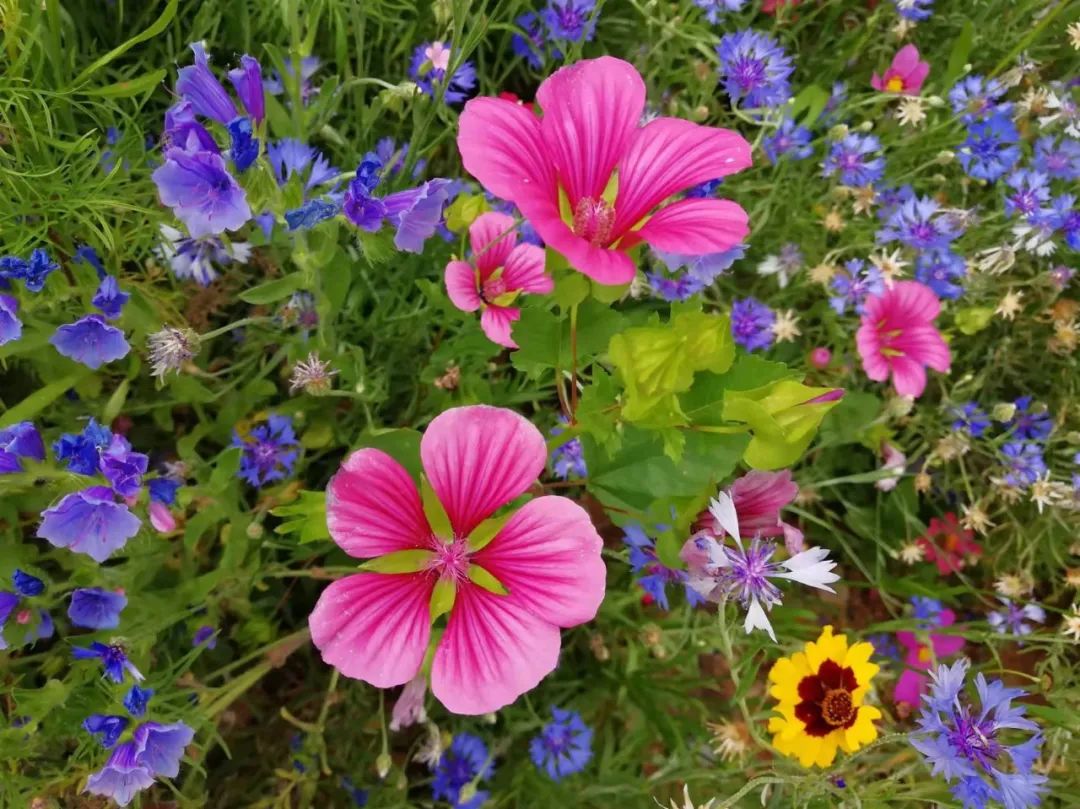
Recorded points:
(820,358)
(592,181)
(905,75)
(920,658)
(758,497)
(161,518)
(503,270)
(496,645)
(439,56)
(897,336)
(894,460)
(409,708)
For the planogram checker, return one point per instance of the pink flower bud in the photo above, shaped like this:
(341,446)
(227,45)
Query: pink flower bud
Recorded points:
(820,357)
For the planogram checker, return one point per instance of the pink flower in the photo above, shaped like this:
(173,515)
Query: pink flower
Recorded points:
(506,598)
(905,75)
(591,181)
(897,336)
(820,358)
(913,682)
(503,269)
(758,498)
(161,518)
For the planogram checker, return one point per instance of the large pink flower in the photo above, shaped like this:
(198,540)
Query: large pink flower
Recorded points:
(914,680)
(503,270)
(496,645)
(897,336)
(905,75)
(592,181)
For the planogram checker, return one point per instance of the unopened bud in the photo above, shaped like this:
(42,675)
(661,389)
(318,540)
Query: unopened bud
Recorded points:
(944,157)
(1003,411)
(383,764)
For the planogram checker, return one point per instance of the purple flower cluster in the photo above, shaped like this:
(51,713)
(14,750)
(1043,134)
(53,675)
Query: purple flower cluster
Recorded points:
(429,68)
(548,32)
(975,98)
(855,159)
(466,760)
(568,460)
(268,453)
(788,139)
(36,621)
(919,224)
(697,272)
(752,324)
(32,271)
(853,284)
(971,418)
(754,69)
(655,575)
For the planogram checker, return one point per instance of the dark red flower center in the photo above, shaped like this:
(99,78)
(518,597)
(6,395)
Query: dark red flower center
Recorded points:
(827,704)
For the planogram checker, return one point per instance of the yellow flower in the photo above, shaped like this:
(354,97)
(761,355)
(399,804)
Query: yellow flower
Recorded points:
(820,692)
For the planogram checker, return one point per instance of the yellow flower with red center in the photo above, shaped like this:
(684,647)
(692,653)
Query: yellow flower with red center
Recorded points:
(820,692)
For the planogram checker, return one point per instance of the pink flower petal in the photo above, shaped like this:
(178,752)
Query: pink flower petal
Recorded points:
(591,111)
(524,270)
(909,376)
(758,497)
(372,506)
(669,155)
(492,652)
(694,227)
(374,627)
(478,459)
(496,322)
(548,557)
(492,238)
(914,81)
(910,686)
(460,278)
(909,303)
(161,518)
(501,147)
(602,265)
(905,60)
(877,83)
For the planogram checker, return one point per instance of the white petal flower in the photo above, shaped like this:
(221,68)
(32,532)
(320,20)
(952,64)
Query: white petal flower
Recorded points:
(722,508)
(812,567)
(757,619)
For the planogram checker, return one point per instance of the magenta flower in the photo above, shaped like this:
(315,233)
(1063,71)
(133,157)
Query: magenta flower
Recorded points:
(914,682)
(506,598)
(897,337)
(592,182)
(501,270)
(905,75)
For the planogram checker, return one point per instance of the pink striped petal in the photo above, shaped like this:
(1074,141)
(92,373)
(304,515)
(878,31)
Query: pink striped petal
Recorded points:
(374,627)
(925,345)
(548,557)
(524,270)
(492,238)
(604,266)
(492,652)
(877,82)
(909,376)
(694,227)
(460,278)
(372,506)
(591,111)
(478,459)
(501,147)
(909,303)
(496,321)
(669,155)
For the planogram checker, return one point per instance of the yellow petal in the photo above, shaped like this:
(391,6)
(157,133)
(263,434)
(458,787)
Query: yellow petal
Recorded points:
(827,751)
(827,647)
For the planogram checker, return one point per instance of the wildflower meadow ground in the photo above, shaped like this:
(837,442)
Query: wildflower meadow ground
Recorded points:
(539,403)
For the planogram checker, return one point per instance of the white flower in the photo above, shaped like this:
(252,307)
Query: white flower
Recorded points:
(1010,305)
(911,111)
(773,266)
(895,461)
(688,803)
(786,326)
(1074,35)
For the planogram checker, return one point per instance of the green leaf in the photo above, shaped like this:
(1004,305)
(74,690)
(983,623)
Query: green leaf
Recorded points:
(852,415)
(402,445)
(571,288)
(226,465)
(609,293)
(442,598)
(597,413)
(544,337)
(782,417)
(306,516)
(44,396)
(464,210)
(273,290)
(409,561)
(961,50)
(811,100)
(116,402)
(974,319)
(159,25)
(434,511)
(483,578)
(486,531)
(130,87)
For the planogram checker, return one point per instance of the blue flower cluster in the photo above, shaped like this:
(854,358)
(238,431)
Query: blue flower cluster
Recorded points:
(654,576)
(564,746)
(465,762)
(1027,432)
(549,31)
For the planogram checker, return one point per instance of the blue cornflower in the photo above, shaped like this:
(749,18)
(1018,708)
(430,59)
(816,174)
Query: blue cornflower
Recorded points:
(754,68)
(788,138)
(109,729)
(837,96)
(885,645)
(1060,161)
(136,700)
(465,760)
(266,454)
(568,460)
(915,10)
(570,20)
(964,744)
(856,159)
(890,198)
(198,259)
(1025,463)
(943,271)
(358,796)
(927,611)
(714,8)
(20,440)
(564,746)
(163,490)
(430,61)
(109,298)
(970,417)
(10,325)
(531,46)
(657,575)
(1014,618)
(853,284)
(990,149)
(1031,425)
(90,341)
(94,608)
(976,98)
(752,324)
(82,451)
(113,659)
(290,158)
(1062,216)
(918,223)
(1030,190)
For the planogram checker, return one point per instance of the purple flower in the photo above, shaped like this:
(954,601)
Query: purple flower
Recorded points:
(89,522)
(680,288)
(196,258)
(853,284)
(90,341)
(197,85)
(94,608)
(266,455)
(917,223)
(123,467)
(914,10)
(205,634)
(1030,192)
(568,460)
(8,603)
(531,46)
(789,138)
(10,325)
(656,575)
(358,796)
(109,729)
(122,777)
(970,417)
(109,298)
(428,68)
(114,660)
(966,744)
(82,451)
(754,68)
(701,272)
(243,145)
(184,131)
(990,149)
(976,98)
(32,273)
(201,192)
(21,440)
(1025,463)
(564,746)
(714,8)
(1062,216)
(1029,424)
(752,324)
(943,271)
(26,584)
(290,157)
(136,700)
(853,159)
(248,83)
(416,213)
(154,750)
(1014,618)
(570,20)
(309,65)
(1058,161)
(463,762)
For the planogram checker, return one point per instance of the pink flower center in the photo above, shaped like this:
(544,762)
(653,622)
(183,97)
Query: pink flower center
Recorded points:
(451,559)
(493,288)
(594,219)
(22,617)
